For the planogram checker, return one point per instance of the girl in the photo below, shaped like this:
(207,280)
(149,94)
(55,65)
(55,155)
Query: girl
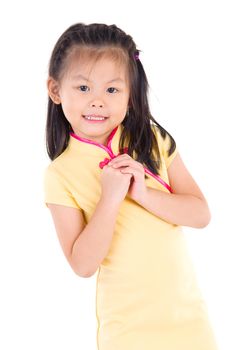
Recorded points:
(119,194)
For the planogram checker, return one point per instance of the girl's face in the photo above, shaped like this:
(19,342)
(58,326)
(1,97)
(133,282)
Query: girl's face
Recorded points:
(99,90)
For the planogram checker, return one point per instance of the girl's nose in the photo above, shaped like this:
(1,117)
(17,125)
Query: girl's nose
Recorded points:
(96,104)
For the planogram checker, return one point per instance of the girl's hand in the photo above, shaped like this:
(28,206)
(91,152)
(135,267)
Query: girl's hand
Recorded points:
(114,185)
(128,165)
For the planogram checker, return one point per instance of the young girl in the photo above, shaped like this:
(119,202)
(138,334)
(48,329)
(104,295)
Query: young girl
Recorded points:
(119,194)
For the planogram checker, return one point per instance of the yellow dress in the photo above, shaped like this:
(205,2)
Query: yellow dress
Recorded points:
(147,294)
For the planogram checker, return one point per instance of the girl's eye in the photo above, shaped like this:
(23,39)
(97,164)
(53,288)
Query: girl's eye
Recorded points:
(84,86)
(113,88)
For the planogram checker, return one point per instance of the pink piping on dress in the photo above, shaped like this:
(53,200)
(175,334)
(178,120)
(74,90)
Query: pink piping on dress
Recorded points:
(108,149)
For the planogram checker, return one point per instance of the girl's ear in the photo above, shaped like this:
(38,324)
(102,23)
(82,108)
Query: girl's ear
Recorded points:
(53,93)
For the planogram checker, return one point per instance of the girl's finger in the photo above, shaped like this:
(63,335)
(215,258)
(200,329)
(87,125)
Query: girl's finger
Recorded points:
(119,158)
(125,162)
(138,175)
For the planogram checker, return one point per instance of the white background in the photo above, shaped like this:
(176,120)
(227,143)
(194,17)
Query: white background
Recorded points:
(186,53)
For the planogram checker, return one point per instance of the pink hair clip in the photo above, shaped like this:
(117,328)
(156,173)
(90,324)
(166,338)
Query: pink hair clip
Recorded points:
(136,55)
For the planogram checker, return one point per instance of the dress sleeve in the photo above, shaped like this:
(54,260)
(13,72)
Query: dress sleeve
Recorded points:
(164,145)
(55,190)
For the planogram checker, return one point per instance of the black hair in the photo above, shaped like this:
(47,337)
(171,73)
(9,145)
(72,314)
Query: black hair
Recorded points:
(97,38)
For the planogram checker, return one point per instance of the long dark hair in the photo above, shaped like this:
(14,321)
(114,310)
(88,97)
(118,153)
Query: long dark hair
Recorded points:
(137,122)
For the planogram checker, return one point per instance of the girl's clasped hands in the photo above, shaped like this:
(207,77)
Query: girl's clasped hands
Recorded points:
(123,175)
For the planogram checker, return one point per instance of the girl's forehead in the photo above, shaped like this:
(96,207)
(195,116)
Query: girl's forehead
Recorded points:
(85,62)
(88,65)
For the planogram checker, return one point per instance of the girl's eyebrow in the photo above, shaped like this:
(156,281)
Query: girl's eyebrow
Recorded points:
(79,76)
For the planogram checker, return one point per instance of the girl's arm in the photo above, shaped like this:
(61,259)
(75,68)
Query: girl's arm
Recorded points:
(186,206)
(85,245)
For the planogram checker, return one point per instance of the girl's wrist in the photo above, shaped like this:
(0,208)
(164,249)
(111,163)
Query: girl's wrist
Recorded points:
(110,203)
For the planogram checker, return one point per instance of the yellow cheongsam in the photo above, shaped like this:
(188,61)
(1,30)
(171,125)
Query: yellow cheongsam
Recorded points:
(147,295)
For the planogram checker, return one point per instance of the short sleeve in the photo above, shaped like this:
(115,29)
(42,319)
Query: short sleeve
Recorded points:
(164,146)
(55,190)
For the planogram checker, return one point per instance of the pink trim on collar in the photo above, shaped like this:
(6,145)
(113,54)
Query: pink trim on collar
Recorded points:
(109,150)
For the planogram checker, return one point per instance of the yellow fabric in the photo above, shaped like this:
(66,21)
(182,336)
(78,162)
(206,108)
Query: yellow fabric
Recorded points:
(164,145)
(147,295)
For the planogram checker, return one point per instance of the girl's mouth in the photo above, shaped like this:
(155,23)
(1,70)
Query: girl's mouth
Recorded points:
(95,119)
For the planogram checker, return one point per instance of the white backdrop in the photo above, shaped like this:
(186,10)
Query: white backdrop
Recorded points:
(186,53)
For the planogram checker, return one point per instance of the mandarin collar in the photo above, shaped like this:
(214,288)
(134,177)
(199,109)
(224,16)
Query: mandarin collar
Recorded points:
(95,148)
(87,146)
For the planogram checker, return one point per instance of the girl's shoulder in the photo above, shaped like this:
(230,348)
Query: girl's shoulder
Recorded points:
(166,143)
(162,136)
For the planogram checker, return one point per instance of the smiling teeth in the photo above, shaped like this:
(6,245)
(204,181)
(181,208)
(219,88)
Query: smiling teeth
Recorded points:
(94,118)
